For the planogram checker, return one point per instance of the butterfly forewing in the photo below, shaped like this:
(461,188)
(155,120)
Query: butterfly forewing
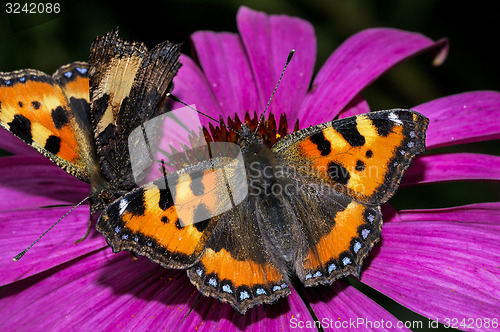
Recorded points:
(363,157)
(49,113)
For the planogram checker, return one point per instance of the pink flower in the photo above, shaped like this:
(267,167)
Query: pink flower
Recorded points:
(440,263)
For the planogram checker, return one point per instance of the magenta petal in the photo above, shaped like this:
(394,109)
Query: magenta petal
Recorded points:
(268,39)
(62,297)
(11,143)
(96,291)
(484,213)
(225,64)
(343,307)
(113,291)
(462,118)
(357,105)
(357,63)
(192,87)
(29,181)
(452,167)
(440,269)
(19,229)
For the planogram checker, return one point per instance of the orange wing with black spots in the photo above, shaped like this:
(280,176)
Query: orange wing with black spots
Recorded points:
(170,219)
(50,113)
(340,234)
(162,219)
(362,156)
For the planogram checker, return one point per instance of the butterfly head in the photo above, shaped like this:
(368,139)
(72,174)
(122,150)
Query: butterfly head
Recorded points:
(99,200)
(249,139)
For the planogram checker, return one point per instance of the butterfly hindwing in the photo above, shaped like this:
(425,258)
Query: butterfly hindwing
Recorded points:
(362,156)
(242,263)
(340,233)
(236,266)
(50,114)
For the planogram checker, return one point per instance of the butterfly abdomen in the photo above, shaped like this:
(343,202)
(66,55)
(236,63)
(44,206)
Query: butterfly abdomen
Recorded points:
(270,191)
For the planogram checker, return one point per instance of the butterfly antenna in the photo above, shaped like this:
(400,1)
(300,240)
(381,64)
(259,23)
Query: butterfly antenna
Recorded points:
(290,56)
(174,98)
(21,254)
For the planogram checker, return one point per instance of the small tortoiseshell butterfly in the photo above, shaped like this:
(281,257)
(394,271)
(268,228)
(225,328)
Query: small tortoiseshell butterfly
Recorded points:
(312,206)
(85,131)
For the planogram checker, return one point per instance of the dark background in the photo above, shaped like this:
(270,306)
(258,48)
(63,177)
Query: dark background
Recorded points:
(46,42)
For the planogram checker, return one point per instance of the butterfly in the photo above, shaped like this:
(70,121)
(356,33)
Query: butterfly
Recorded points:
(306,207)
(81,116)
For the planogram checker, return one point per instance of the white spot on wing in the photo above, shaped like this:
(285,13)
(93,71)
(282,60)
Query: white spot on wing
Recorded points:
(394,117)
(357,246)
(81,70)
(123,205)
(260,291)
(244,295)
(364,233)
(346,261)
(226,288)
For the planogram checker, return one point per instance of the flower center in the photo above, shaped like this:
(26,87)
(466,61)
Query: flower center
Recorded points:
(270,130)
